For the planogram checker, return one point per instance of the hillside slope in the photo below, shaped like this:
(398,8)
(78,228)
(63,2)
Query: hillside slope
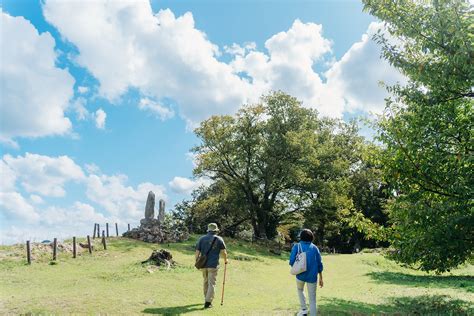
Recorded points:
(258,283)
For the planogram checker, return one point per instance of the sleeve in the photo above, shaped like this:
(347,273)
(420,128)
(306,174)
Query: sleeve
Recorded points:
(294,250)
(319,261)
(198,245)
(222,244)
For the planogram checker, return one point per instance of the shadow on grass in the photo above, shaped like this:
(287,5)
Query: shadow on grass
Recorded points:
(418,305)
(461,282)
(176,310)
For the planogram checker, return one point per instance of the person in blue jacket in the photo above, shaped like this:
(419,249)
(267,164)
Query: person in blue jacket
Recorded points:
(314,266)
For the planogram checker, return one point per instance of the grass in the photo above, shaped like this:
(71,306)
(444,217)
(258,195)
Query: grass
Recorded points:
(258,283)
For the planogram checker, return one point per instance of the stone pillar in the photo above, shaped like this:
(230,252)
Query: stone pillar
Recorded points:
(150,206)
(161,213)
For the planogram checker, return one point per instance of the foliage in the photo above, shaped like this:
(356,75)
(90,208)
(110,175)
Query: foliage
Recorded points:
(428,129)
(278,166)
(260,155)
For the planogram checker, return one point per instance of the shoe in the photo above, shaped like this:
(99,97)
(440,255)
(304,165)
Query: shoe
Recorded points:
(207,305)
(302,312)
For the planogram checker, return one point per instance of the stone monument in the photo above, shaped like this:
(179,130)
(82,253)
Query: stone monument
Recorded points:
(161,212)
(157,230)
(150,206)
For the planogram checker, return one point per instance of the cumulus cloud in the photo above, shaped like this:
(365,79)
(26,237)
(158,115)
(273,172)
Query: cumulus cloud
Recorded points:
(35,93)
(82,89)
(159,110)
(17,207)
(162,55)
(166,57)
(36,199)
(43,174)
(186,186)
(79,106)
(236,49)
(100,117)
(116,197)
(121,203)
(355,79)
(82,213)
(8,177)
(60,222)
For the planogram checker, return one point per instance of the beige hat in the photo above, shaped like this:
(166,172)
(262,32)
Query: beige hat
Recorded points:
(212,227)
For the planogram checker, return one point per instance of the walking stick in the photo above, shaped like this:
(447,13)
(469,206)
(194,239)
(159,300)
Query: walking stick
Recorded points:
(223,285)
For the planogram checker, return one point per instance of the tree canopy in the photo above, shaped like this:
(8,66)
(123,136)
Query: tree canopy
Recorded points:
(427,129)
(277,163)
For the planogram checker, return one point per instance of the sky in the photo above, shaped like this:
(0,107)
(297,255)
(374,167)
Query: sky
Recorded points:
(99,99)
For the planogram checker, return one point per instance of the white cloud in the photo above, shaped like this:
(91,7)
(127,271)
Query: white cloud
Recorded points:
(79,107)
(16,206)
(82,89)
(48,176)
(236,49)
(124,44)
(92,168)
(7,178)
(166,57)
(43,174)
(112,193)
(60,222)
(36,199)
(82,213)
(289,65)
(100,117)
(35,93)
(162,112)
(355,79)
(186,186)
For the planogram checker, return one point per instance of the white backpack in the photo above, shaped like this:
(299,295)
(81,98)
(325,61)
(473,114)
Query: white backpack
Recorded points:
(299,265)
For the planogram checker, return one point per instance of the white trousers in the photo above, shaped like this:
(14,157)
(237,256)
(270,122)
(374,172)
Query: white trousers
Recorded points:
(311,295)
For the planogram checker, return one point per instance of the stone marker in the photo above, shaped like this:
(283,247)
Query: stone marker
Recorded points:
(150,206)
(161,213)
(156,230)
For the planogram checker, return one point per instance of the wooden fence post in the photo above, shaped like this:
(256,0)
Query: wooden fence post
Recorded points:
(116,229)
(28,252)
(74,252)
(107,229)
(103,240)
(128,227)
(89,244)
(55,246)
(95,227)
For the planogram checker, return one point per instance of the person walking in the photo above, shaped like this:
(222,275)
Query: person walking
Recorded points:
(212,246)
(314,266)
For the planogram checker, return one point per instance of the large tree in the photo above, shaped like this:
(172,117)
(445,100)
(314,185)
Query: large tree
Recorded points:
(275,156)
(428,129)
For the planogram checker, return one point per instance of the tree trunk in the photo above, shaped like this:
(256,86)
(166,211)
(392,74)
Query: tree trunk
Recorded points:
(262,221)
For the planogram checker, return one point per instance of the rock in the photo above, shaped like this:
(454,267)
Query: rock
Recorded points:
(158,230)
(150,206)
(161,212)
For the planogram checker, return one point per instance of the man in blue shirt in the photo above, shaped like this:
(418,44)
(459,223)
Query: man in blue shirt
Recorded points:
(213,246)
(314,266)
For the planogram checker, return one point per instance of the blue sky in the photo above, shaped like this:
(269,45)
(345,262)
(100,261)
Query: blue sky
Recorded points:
(99,99)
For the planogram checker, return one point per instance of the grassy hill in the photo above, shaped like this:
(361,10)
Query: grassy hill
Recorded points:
(258,283)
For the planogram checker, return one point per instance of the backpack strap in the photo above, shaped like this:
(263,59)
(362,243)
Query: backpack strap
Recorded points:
(213,241)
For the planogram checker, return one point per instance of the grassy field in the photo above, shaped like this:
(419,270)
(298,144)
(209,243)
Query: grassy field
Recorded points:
(258,283)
